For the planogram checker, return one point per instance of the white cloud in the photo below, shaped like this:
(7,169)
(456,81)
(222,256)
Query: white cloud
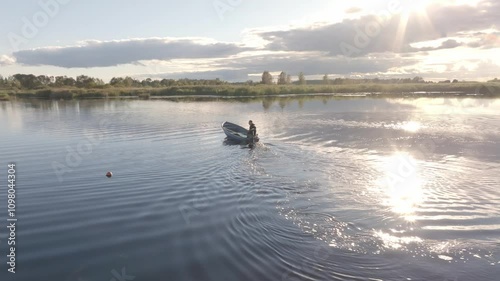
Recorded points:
(373,34)
(446,39)
(6,60)
(94,53)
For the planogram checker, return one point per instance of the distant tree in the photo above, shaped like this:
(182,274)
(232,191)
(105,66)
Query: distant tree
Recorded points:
(289,79)
(99,82)
(167,82)
(418,79)
(61,81)
(326,80)
(156,83)
(338,81)
(302,79)
(82,81)
(454,81)
(27,81)
(282,78)
(12,82)
(147,82)
(267,78)
(44,80)
(494,80)
(130,82)
(217,81)
(69,81)
(116,81)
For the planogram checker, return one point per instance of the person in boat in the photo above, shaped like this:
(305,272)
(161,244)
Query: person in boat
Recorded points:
(252,131)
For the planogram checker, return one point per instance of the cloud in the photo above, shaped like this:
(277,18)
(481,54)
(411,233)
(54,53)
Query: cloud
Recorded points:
(353,10)
(424,44)
(349,37)
(6,60)
(315,64)
(487,68)
(459,18)
(487,40)
(447,44)
(224,74)
(112,53)
(374,34)
(241,68)
(460,68)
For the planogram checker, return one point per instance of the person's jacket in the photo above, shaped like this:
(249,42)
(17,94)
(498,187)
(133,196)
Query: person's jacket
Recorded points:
(253,130)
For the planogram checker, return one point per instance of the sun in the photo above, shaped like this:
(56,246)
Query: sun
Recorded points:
(421,6)
(418,7)
(415,10)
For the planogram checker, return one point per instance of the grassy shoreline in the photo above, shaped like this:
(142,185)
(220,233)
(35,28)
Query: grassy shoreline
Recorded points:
(491,89)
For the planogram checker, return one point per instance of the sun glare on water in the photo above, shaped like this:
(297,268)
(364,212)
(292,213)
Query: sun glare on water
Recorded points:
(401,185)
(411,126)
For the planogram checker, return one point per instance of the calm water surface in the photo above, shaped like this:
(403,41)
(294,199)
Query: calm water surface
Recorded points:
(338,189)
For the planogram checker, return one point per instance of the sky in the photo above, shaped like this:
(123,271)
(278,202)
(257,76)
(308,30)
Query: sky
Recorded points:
(236,40)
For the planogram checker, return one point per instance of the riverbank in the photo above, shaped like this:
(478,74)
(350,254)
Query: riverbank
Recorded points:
(490,89)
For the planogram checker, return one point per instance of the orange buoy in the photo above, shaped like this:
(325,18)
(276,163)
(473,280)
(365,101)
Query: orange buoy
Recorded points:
(109,174)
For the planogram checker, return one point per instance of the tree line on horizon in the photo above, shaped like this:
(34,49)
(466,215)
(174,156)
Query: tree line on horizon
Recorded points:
(284,79)
(30,81)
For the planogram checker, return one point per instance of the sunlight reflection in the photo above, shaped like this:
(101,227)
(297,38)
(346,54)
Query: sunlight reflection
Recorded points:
(401,185)
(394,242)
(452,106)
(411,126)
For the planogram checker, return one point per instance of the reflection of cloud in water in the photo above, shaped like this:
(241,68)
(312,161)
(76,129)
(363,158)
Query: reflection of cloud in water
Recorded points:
(9,111)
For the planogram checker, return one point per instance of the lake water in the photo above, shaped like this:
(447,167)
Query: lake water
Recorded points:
(337,189)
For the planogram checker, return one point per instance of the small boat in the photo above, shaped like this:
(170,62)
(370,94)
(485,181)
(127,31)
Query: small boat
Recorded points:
(237,133)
